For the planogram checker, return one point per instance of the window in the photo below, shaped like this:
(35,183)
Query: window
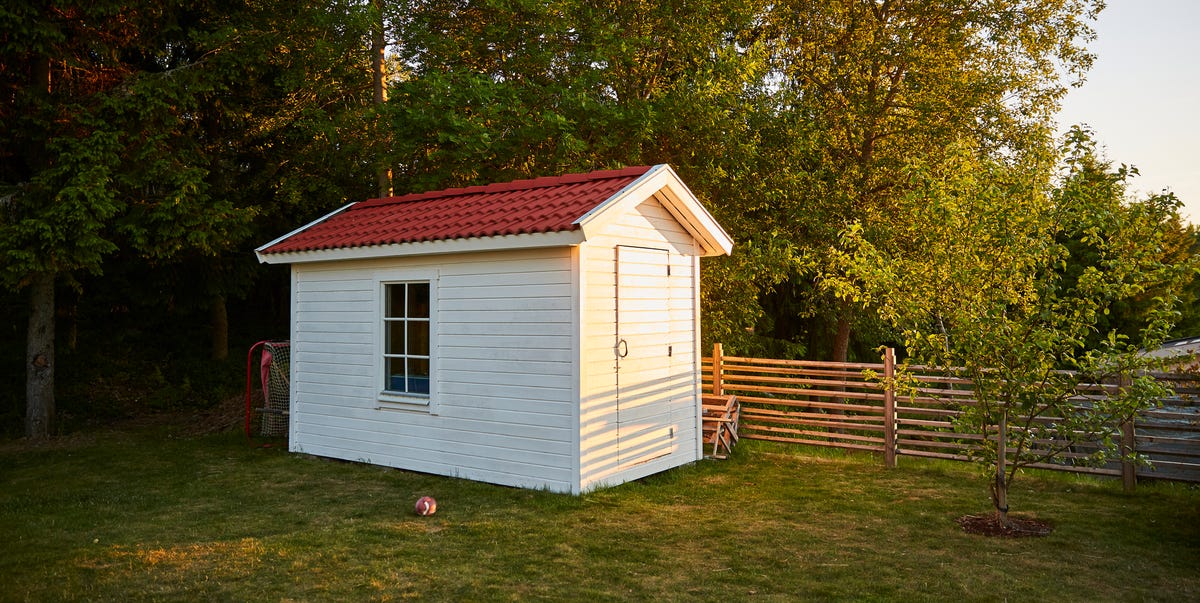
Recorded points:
(406,344)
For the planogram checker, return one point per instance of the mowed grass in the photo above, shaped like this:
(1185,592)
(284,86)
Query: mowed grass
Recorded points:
(148,515)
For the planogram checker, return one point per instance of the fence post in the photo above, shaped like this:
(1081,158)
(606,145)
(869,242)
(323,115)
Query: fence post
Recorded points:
(889,407)
(717,370)
(1128,446)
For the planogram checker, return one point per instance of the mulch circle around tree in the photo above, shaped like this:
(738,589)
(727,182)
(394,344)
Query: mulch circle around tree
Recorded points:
(988,524)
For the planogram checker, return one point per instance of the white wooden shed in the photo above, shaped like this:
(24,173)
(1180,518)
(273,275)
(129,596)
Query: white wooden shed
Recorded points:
(540,333)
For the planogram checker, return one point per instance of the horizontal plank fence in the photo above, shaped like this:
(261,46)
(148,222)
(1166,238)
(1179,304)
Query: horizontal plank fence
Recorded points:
(846,405)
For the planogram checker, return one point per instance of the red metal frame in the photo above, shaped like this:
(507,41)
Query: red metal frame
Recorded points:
(250,382)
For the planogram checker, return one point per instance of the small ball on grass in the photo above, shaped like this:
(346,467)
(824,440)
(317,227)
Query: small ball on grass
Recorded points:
(426,505)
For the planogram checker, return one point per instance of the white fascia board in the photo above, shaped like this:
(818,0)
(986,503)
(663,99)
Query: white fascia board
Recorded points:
(501,243)
(678,199)
(593,215)
(713,239)
(267,259)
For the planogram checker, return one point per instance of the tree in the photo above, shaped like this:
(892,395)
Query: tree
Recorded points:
(514,89)
(1094,178)
(161,131)
(866,88)
(286,117)
(791,120)
(73,144)
(986,289)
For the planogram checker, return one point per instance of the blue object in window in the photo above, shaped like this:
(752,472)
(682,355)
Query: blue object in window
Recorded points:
(418,385)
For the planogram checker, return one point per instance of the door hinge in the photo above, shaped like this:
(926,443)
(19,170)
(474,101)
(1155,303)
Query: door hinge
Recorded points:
(668,270)
(669,348)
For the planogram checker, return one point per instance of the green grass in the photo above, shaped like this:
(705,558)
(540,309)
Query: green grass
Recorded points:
(149,515)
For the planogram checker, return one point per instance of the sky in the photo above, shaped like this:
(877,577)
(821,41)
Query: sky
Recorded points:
(1142,96)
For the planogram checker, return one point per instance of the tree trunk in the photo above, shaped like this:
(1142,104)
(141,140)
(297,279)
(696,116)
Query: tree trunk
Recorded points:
(841,349)
(219,320)
(841,341)
(39,355)
(379,76)
(378,46)
(1000,483)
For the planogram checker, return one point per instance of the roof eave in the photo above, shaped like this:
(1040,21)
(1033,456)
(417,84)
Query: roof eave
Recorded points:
(263,258)
(475,244)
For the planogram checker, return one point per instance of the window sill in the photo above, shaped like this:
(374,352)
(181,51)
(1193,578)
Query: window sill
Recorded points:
(398,401)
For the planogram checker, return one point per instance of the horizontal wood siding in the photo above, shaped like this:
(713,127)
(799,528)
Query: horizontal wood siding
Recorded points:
(650,226)
(504,403)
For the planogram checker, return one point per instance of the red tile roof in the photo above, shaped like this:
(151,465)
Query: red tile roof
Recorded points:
(521,207)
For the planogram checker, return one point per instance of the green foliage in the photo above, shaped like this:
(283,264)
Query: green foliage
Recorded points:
(499,90)
(96,157)
(166,131)
(989,284)
(143,136)
(145,148)
(790,120)
(869,91)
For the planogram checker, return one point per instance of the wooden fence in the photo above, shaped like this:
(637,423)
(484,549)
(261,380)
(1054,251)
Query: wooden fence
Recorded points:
(845,405)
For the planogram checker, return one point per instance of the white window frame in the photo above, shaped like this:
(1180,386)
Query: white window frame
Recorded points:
(392,400)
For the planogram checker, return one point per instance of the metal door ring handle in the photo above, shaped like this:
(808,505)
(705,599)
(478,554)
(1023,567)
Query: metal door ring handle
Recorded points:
(622,349)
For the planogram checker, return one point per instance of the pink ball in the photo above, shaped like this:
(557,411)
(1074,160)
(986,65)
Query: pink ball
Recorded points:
(426,505)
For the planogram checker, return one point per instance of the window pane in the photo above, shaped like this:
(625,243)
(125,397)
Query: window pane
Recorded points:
(418,375)
(395,301)
(418,300)
(395,337)
(418,338)
(394,374)
(406,338)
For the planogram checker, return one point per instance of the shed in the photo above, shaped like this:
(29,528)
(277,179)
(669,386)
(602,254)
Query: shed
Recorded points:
(1177,355)
(540,333)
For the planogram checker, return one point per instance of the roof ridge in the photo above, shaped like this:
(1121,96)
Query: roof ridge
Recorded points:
(503,187)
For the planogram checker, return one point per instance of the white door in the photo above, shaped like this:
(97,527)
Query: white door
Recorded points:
(644,427)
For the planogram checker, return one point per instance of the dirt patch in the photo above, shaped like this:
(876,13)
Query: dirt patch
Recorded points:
(988,524)
(63,442)
(230,413)
(227,415)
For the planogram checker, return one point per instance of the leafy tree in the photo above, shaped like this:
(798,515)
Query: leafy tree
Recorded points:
(87,140)
(866,88)
(286,118)
(790,120)
(159,131)
(1095,179)
(1183,242)
(985,289)
(510,89)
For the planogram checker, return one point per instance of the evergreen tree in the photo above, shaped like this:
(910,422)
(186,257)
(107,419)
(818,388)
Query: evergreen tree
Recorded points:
(160,131)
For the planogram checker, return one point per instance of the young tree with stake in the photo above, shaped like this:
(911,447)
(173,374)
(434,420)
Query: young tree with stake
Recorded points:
(990,285)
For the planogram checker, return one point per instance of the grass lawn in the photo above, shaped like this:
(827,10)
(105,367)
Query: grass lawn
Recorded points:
(150,514)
